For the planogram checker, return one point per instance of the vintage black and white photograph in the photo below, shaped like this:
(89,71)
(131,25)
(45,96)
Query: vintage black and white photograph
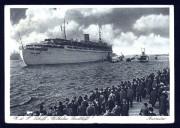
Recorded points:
(89,64)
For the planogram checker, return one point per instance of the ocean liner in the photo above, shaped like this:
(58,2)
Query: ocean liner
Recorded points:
(61,51)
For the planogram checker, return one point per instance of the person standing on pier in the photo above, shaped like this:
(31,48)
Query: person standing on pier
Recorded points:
(125,108)
(138,92)
(130,94)
(90,111)
(60,109)
(153,97)
(163,104)
(134,85)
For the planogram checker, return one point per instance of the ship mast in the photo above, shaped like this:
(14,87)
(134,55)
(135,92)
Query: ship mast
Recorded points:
(100,34)
(20,40)
(64,29)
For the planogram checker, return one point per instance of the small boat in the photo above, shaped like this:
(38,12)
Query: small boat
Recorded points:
(115,59)
(128,60)
(131,58)
(143,57)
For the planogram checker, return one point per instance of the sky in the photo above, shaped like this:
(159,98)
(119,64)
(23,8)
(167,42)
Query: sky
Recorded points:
(126,29)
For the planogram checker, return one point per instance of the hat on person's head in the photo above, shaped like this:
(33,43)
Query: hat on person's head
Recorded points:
(151,109)
(72,100)
(162,84)
(85,97)
(74,97)
(163,92)
(90,103)
(60,103)
(79,97)
(145,104)
(67,99)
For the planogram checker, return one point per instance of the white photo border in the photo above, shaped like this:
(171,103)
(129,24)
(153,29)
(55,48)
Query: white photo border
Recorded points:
(87,119)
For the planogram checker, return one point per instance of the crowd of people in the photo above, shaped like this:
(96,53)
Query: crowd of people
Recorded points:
(117,100)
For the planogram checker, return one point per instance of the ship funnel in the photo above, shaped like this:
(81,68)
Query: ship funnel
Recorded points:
(86,37)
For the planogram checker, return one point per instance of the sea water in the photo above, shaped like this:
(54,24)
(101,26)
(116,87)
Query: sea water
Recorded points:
(48,84)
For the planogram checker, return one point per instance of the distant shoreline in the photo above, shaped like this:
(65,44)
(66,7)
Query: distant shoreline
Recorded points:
(149,54)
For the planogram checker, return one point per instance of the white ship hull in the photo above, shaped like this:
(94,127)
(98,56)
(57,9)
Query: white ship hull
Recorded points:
(61,56)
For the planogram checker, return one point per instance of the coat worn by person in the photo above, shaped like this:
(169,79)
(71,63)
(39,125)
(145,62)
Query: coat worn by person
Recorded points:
(60,110)
(123,94)
(138,90)
(153,97)
(110,104)
(130,94)
(163,105)
(82,108)
(149,85)
(74,107)
(125,110)
(90,110)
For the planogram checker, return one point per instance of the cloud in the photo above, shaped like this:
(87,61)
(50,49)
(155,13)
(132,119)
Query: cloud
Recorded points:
(108,32)
(96,11)
(129,43)
(34,37)
(120,17)
(149,23)
(125,39)
(152,40)
(14,45)
(121,27)
(16,14)
(39,19)
(43,22)
(45,13)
